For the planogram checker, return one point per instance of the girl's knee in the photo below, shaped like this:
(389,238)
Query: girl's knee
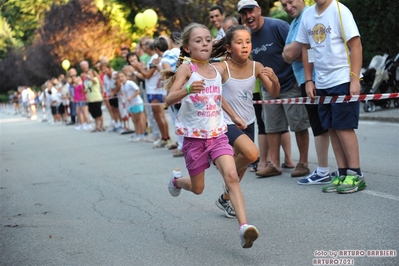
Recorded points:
(231,176)
(253,156)
(197,190)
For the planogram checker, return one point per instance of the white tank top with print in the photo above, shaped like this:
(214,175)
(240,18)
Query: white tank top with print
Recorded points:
(238,93)
(200,114)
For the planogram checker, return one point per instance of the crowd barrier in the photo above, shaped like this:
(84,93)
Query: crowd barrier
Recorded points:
(8,107)
(317,100)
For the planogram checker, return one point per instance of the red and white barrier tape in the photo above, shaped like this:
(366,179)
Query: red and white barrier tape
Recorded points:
(317,100)
(330,99)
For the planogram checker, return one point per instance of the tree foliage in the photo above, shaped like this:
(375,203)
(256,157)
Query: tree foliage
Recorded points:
(176,14)
(378,25)
(116,13)
(24,16)
(79,31)
(13,72)
(75,31)
(7,38)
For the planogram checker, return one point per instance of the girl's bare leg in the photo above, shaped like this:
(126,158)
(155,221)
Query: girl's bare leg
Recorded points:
(227,168)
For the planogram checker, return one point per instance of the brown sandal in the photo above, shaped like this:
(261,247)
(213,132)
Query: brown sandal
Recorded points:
(284,165)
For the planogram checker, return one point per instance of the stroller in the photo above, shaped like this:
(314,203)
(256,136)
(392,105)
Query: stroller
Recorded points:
(380,77)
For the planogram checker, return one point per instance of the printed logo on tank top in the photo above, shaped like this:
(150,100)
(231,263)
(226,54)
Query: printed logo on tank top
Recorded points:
(244,95)
(207,108)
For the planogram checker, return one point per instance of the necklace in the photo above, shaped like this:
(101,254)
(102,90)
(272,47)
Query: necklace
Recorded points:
(188,59)
(240,64)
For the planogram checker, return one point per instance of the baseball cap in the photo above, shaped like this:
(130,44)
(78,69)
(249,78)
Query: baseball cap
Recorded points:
(246,4)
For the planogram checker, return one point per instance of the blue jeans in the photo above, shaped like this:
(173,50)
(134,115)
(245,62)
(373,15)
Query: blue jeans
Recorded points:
(72,108)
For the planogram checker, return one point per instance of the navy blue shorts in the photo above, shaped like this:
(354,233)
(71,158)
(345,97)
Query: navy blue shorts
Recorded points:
(152,97)
(233,132)
(313,114)
(338,116)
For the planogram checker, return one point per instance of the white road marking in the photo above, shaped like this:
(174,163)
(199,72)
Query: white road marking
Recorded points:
(380,194)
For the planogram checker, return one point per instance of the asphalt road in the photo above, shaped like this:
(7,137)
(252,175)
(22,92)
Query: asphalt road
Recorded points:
(81,198)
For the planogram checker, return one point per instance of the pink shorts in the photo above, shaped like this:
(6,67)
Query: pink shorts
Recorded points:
(198,151)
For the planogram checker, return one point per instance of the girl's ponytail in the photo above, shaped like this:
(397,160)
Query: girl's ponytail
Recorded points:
(219,48)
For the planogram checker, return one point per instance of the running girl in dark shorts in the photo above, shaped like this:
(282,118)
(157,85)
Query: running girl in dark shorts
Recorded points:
(239,79)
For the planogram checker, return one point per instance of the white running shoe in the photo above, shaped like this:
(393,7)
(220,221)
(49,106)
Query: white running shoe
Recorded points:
(79,127)
(137,139)
(248,234)
(155,142)
(171,187)
(86,126)
(160,143)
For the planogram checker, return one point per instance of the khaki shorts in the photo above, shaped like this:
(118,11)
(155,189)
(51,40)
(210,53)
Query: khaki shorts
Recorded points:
(278,117)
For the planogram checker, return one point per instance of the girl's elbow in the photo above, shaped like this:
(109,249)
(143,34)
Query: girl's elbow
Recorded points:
(168,101)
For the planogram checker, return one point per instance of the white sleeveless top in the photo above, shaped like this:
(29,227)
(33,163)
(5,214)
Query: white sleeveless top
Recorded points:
(200,115)
(238,93)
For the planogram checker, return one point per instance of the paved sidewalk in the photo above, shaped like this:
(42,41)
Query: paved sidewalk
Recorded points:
(380,114)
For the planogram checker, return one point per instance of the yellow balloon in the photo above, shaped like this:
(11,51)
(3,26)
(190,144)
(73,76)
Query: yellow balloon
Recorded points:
(150,18)
(66,64)
(139,21)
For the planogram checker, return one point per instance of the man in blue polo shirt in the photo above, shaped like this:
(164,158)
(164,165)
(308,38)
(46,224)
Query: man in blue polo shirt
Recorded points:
(268,40)
(292,54)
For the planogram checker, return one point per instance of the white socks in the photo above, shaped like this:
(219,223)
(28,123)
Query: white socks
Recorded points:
(322,171)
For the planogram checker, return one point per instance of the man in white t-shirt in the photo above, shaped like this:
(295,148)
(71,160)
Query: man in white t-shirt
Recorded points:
(292,54)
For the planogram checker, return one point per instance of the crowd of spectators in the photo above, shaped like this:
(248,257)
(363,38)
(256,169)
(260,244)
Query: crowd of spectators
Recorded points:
(137,93)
